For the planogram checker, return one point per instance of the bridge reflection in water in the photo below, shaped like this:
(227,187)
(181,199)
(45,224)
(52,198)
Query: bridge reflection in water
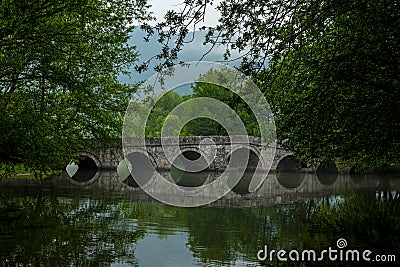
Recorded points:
(280,187)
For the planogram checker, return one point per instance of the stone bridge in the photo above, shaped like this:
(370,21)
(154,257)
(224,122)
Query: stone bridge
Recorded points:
(216,150)
(288,184)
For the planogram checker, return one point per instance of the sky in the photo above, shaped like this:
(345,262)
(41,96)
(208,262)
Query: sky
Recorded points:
(192,51)
(160,7)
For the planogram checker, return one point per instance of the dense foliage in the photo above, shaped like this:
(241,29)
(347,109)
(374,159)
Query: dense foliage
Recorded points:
(336,95)
(59,67)
(205,86)
(330,70)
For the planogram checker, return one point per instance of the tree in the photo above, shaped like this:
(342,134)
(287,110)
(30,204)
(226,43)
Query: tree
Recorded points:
(336,96)
(160,111)
(328,68)
(59,64)
(206,86)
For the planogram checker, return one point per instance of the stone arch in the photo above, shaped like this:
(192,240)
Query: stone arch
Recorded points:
(93,157)
(86,176)
(280,154)
(199,151)
(253,149)
(327,174)
(188,179)
(330,167)
(192,149)
(193,157)
(290,159)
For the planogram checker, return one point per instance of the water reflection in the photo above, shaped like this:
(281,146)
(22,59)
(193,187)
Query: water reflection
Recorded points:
(141,167)
(328,179)
(131,182)
(280,187)
(49,230)
(290,180)
(289,164)
(188,179)
(357,178)
(50,227)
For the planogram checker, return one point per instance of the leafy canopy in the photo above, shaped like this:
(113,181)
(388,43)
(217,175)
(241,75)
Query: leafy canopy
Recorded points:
(59,67)
(330,69)
(205,86)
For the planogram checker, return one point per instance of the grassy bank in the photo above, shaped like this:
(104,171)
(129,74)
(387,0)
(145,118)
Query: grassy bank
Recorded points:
(19,171)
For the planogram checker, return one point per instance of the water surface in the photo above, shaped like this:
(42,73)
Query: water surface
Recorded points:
(94,226)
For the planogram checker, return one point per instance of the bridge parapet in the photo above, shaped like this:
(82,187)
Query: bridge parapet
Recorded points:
(196,140)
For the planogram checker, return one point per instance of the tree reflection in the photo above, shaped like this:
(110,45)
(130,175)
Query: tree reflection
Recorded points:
(49,231)
(366,220)
(43,229)
(245,231)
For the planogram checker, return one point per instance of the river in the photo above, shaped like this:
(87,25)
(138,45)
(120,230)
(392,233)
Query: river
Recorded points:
(104,224)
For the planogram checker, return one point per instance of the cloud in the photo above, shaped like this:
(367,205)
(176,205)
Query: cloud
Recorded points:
(192,51)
